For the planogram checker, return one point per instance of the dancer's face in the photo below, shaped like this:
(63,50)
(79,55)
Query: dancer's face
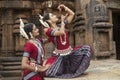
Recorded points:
(35,31)
(53,18)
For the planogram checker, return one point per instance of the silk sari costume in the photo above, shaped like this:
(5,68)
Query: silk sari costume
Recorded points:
(34,53)
(67,62)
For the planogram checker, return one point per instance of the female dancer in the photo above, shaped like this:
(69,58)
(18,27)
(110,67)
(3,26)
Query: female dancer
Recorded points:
(33,53)
(66,62)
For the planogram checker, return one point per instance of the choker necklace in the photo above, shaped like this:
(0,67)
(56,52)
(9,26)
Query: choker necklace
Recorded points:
(63,42)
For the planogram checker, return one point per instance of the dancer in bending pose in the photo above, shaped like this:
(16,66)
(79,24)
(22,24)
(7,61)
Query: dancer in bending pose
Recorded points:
(33,53)
(66,62)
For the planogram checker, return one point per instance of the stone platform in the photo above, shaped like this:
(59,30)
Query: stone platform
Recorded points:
(108,69)
(100,70)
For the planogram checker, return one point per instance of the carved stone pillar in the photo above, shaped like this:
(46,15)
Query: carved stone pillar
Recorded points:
(7,35)
(100,27)
(79,25)
(10,30)
(0,30)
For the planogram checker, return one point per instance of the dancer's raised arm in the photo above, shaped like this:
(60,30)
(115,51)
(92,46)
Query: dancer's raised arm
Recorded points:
(68,10)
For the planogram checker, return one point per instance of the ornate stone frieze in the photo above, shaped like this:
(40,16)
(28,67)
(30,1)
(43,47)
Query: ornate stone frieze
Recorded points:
(16,4)
(102,25)
(114,4)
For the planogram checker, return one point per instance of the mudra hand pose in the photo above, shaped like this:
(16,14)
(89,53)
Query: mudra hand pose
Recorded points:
(33,53)
(66,62)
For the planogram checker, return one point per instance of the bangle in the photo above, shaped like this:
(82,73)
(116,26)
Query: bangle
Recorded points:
(62,23)
(36,68)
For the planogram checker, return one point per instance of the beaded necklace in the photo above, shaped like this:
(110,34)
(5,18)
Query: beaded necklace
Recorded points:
(63,42)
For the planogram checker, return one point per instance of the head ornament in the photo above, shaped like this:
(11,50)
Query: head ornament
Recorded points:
(22,31)
(44,23)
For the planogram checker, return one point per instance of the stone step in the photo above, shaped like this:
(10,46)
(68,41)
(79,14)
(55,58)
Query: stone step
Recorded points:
(16,67)
(13,73)
(19,54)
(10,59)
(11,63)
(11,78)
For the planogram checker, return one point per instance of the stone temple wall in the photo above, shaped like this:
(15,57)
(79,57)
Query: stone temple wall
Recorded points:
(92,25)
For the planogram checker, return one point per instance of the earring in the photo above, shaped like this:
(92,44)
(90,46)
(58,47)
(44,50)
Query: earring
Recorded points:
(31,35)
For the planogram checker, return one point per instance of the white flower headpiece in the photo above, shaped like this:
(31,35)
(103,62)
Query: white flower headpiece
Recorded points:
(44,23)
(22,32)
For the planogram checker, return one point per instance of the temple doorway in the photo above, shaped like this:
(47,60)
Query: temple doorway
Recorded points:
(116,32)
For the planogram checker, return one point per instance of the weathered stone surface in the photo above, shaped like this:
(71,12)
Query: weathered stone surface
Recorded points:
(99,70)
(115,4)
(16,4)
(102,24)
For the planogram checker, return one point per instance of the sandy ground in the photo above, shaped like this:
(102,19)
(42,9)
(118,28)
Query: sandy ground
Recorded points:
(99,70)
